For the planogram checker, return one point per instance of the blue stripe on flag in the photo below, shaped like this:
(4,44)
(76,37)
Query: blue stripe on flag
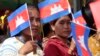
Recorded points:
(79,13)
(16,12)
(55,16)
(46,3)
(86,35)
(20,28)
(74,37)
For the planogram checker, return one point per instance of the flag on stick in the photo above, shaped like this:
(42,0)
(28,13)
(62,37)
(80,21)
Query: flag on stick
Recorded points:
(80,34)
(18,20)
(53,9)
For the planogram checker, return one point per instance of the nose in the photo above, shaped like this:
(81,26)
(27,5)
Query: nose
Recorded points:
(34,23)
(66,26)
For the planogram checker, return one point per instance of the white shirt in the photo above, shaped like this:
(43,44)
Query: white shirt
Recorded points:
(11,46)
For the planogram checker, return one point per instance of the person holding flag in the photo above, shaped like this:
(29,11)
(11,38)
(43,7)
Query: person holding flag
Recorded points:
(56,12)
(57,44)
(24,29)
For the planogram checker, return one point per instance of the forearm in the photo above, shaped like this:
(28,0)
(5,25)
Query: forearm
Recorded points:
(72,46)
(39,52)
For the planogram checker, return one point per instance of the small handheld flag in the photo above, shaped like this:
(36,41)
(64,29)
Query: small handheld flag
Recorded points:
(18,20)
(53,9)
(80,34)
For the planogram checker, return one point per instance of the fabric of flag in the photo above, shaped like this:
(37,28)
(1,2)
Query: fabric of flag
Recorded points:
(95,8)
(18,20)
(53,9)
(80,34)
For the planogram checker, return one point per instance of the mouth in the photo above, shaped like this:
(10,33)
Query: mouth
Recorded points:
(67,32)
(34,30)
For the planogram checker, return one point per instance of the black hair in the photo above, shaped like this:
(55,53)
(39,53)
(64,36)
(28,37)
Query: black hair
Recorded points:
(87,14)
(46,29)
(34,3)
(70,16)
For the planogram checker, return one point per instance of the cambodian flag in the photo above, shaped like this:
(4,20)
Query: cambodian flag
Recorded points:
(18,20)
(53,9)
(95,8)
(80,34)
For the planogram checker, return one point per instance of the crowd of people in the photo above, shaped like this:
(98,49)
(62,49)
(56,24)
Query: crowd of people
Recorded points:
(53,39)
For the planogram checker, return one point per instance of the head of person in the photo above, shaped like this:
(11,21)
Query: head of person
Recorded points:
(34,22)
(61,26)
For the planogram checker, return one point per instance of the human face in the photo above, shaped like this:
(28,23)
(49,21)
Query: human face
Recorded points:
(62,27)
(34,21)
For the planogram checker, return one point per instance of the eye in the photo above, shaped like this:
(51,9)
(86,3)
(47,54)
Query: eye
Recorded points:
(38,19)
(61,22)
(31,19)
(65,22)
(68,22)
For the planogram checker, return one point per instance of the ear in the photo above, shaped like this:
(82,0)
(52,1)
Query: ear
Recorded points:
(53,27)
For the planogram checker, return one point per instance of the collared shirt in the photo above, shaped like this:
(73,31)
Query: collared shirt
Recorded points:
(55,47)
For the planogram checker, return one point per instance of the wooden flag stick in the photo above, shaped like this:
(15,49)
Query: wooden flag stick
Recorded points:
(81,24)
(85,26)
(31,30)
(42,30)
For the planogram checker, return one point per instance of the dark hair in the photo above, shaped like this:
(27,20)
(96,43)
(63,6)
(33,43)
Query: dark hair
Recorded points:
(2,38)
(46,29)
(32,3)
(87,14)
(34,6)
(70,16)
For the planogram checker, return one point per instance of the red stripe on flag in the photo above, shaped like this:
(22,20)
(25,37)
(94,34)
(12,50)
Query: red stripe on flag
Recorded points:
(81,20)
(12,23)
(84,52)
(45,11)
(80,31)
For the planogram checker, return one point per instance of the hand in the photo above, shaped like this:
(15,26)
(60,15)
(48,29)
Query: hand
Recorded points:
(28,47)
(70,51)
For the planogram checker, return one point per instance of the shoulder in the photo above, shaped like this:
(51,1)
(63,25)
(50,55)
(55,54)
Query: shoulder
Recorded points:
(10,46)
(53,41)
(51,49)
(8,42)
(7,47)
(52,44)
